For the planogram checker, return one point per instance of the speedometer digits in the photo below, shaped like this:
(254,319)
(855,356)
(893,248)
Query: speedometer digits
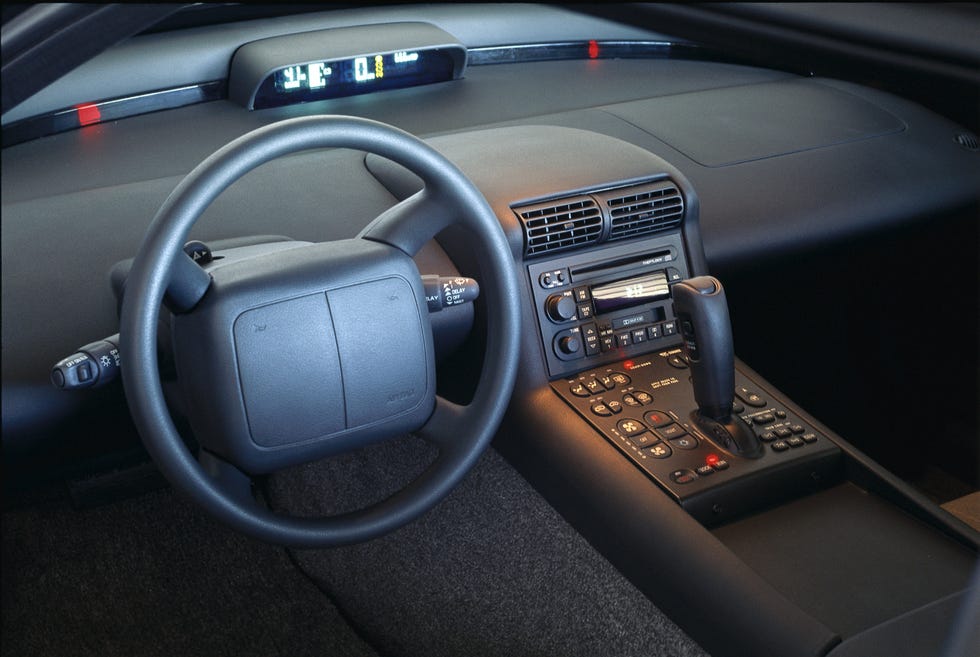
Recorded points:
(320,80)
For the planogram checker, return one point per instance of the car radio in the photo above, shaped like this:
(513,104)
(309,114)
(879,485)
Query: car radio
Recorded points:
(593,310)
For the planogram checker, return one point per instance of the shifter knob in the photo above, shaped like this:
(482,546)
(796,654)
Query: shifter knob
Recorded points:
(702,315)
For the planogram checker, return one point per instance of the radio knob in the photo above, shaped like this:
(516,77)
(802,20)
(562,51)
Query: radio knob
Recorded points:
(560,308)
(569,345)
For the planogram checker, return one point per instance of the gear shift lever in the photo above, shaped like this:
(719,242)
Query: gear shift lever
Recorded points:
(702,314)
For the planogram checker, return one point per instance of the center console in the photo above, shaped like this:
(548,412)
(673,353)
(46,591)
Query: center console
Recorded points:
(644,407)
(614,346)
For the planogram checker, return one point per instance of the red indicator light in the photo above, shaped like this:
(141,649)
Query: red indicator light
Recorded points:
(88,113)
(712,460)
(593,49)
(628,364)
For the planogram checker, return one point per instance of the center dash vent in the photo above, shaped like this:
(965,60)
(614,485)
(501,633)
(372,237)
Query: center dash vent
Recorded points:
(548,226)
(601,216)
(644,209)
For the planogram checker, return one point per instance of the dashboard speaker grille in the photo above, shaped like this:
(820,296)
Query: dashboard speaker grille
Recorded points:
(552,227)
(643,209)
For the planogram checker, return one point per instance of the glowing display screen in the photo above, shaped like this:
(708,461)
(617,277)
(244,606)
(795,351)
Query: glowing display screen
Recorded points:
(303,83)
(630,292)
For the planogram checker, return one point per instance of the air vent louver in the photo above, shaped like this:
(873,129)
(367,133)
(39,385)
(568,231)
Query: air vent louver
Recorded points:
(645,209)
(549,227)
(613,214)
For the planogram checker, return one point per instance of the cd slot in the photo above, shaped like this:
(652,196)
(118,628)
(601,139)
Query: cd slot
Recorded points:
(622,265)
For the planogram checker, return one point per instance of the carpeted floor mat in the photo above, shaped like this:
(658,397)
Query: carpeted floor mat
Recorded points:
(493,570)
(152,576)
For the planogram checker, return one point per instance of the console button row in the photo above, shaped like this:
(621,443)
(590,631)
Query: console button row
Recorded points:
(638,398)
(608,409)
(611,337)
(794,442)
(781,433)
(671,432)
(599,384)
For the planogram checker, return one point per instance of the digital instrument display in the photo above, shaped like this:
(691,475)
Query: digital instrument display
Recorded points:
(630,292)
(313,81)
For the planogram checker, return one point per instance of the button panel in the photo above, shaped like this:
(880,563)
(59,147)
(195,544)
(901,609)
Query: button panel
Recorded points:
(645,407)
(601,307)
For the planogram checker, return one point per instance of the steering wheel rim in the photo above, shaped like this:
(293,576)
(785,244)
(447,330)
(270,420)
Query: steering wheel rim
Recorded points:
(407,227)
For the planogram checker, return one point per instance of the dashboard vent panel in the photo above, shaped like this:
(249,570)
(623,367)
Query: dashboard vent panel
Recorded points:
(646,209)
(550,227)
(582,220)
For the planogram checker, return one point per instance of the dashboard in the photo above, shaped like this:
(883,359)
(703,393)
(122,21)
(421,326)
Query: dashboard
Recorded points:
(618,164)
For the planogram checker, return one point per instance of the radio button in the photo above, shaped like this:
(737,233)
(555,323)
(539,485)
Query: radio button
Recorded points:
(658,418)
(683,476)
(639,335)
(560,307)
(653,332)
(643,439)
(620,379)
(584,311)
(569,345)
(591,336)
(601,410)
(630,427)
(623,339)
(671,431)
(685,442)
(643,397)
(749,397)
(673,275)
(668,328)
(607,343)
(582,294)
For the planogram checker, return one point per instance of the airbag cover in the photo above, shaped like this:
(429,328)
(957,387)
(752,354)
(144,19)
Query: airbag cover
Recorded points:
(303,353)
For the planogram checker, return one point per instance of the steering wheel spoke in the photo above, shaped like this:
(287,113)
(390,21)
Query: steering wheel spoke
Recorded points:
(445,426)
(410,224)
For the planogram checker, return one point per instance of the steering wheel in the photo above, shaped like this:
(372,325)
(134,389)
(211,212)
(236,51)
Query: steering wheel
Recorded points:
(316,350)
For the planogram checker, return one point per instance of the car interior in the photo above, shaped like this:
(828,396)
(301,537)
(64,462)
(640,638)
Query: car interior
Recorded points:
(491,329)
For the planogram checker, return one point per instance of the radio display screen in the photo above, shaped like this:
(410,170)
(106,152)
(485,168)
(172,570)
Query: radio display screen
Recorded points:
(630,292)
